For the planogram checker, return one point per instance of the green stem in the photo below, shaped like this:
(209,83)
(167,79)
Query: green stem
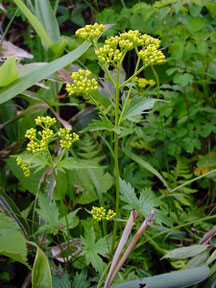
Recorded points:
(116,142)
(65,216)
(99,108)
(109,75)
(8,26)
(191,181)
(129,79)
(161,122)
(61,199)
(128,95)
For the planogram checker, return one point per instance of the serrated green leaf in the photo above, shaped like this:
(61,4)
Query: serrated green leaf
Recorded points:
(146,202)
(12,242)
(186,252)
(137,106)
(72,164)
(47,212)
(128,195)
(91,249)
(102,124)
(8,72)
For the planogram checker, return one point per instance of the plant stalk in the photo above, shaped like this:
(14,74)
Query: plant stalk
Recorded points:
(116,162)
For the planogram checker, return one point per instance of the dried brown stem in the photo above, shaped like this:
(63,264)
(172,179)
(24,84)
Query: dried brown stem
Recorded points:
(117,266)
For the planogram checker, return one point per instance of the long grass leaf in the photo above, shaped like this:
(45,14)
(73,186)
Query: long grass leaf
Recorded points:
(46,16)
(34,22)
(8,207)
(23,83)
(179,279)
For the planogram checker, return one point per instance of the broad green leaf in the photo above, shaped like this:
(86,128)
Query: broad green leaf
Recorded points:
(186,252)
(177,51)
(37,163)
(12,242)
(34,22)
(72,164)
(8,207)
(102,124)
(8,111)
(88,184)
(73,220)
(47,212)
(50,213)
(56,49)
(32,185)
(137,106)
(40,73)
(211,6)
(47,18)
(183,79)
(180,279)
(91,249)
(145,165)
(41,273)
(195,24)
(8,72)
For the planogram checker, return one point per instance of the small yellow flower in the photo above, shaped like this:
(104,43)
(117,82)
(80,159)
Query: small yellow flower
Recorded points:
(99,213)
(82,84)
(90,32)
(23,166)
(67,138)
(142,82)
(45,121)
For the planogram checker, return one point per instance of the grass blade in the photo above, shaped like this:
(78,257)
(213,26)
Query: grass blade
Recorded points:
(8,207)
(23,83)
(34,22)
(46,16)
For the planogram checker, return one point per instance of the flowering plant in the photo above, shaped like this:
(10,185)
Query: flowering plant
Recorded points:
(111,55)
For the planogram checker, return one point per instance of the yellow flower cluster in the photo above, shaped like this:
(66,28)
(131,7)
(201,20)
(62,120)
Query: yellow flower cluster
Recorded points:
(39,145)
(142,82)
(45,121)
(68,138)
(151,55)
(23,166)
(82,84)
(90,32)
(116,47)
(99,213)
